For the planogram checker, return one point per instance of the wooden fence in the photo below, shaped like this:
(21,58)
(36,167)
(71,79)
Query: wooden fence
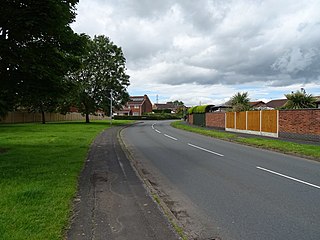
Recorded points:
(26,117)
(254,122)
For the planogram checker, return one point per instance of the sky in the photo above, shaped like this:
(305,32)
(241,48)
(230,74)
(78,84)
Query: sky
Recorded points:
(205,51)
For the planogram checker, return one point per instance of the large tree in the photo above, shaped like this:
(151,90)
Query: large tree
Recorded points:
(240,102)
(37,49)
(299,99)
(103,70)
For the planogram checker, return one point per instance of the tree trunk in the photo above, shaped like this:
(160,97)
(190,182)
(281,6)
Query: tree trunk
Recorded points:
(87,118)
(43,117)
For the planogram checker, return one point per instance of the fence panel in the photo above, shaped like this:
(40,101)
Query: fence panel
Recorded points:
(269,121)
(253,121)
(241,119)
(230,120)
(26,117)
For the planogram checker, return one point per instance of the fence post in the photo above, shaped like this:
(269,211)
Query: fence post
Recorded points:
(260,121)
(277,123)
(246,120)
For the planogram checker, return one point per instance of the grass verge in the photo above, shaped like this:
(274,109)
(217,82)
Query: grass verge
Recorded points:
(305,150)
(39,169)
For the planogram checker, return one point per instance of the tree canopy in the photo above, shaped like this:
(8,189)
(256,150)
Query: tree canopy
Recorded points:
(37,49)
(240,102)
(299,99)
(102,71)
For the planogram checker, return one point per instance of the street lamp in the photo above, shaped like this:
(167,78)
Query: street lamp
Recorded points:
(111,95)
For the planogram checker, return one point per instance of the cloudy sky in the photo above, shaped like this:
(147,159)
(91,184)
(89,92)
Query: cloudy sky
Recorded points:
(205,51)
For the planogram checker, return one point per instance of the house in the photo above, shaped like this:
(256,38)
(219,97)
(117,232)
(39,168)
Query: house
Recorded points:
(124,112)
(258,105)
(168,106)
(277,103)
(139,105)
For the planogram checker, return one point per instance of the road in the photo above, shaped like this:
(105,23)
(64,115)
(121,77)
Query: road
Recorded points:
(238,192)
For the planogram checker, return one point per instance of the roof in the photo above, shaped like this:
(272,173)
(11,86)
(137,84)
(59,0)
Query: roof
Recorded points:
(136,100)
(277,103)
(168,105)
(257,103)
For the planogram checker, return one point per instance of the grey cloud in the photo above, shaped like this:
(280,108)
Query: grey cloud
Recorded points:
(238,42)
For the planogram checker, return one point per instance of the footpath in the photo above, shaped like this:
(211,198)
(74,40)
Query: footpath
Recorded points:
(112,202)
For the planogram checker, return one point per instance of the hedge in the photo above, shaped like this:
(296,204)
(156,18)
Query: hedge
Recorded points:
(198,109)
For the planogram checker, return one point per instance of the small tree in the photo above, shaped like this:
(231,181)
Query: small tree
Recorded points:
(240,102)
(299,99)
(103,70)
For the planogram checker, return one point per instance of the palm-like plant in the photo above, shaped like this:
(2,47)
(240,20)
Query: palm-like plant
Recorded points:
(240,102)
(299,99)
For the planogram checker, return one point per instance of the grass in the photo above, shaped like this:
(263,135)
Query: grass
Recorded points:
(39,169)
(305,150)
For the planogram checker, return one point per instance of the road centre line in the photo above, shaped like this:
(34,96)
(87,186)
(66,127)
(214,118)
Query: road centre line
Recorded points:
(170,137)
(153,126)
(157,131)
(206,150)
(288,177)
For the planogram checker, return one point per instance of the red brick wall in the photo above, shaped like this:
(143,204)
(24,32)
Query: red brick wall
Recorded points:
(215,119)
(300,121)
(147,107)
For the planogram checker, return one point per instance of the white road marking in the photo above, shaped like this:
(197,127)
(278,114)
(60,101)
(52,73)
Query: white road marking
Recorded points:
(291,178)
(157,131)
(206,150)
(153,126)
(171,137)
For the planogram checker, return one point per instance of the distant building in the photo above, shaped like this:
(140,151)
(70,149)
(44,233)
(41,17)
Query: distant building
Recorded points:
(258,105)
(137,106)
(277,103)
(168,106)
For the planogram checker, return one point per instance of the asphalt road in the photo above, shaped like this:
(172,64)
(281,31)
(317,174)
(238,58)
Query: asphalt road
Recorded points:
(242,192)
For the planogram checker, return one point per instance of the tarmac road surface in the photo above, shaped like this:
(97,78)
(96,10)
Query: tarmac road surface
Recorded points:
(240,192)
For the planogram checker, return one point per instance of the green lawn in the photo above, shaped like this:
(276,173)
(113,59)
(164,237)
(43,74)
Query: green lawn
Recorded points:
(39,168)
(306,150)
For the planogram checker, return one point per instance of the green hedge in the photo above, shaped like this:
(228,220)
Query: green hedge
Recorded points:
(198,109)
(162,110)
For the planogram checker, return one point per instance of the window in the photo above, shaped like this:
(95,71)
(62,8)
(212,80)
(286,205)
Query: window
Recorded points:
(136,106)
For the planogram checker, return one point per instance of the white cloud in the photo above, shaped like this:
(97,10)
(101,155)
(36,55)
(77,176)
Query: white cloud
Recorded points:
(187,49)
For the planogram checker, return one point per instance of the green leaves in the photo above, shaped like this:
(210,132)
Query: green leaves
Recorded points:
(240,102)
(37,48)
(299,99)
(103,70)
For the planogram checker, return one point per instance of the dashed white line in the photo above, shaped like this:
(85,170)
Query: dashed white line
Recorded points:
(288,177)
(157,131)
(206,150)
(170,137)
(153,126)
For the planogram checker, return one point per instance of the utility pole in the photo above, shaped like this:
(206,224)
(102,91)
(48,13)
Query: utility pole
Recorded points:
(111,95)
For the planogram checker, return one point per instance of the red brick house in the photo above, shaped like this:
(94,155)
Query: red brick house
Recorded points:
(139,105)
